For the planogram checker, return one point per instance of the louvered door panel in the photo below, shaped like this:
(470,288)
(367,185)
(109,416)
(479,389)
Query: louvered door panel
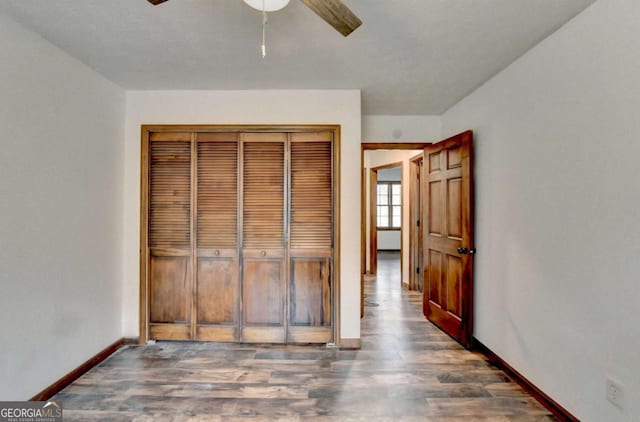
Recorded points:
(311,238)
(311,195)
(170,202)
(217,191)
(263,202)
(170,236)
(217,282)
(263,249)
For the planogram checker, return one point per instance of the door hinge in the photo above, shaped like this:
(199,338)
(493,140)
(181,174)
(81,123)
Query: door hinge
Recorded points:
(418,223)
(417,270)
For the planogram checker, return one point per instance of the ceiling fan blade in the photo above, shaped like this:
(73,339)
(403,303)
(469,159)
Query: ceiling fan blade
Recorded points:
(157,2)
(336,14)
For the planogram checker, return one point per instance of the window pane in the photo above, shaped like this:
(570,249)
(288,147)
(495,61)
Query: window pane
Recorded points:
(383,216)
(383,194)
(396,194)
(397,216)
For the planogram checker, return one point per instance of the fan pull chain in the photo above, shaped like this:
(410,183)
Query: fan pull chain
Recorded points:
(264,30)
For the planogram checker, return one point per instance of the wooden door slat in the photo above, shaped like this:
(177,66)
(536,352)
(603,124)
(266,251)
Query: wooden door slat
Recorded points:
(217,192)
(170,193)
(263,204)
(311,195)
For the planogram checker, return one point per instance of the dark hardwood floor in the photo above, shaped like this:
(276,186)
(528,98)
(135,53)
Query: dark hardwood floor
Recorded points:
(407,370)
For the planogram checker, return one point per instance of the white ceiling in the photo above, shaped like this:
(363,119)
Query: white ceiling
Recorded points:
(409,57)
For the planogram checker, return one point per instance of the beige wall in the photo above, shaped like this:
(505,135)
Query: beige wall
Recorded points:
(401,128)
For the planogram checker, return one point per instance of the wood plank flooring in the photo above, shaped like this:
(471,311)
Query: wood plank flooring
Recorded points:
(407,370)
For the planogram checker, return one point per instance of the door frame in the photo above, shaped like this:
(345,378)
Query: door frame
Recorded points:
(372,146)
(415,214)
(373,216)
(144,205)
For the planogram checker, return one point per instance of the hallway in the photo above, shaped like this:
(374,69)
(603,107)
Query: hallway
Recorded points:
(406,370)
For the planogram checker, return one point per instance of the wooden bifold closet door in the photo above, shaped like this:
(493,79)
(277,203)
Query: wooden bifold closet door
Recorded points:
(263,239)
(217,286)
(240,236)
(311,238)
(170,240)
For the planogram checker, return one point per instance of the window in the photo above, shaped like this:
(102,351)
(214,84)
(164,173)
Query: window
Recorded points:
(389,203)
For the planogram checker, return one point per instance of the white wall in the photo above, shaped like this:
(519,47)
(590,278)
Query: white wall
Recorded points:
(60,212)
(377,158)
(248,107)
(389,240)
(558,194)
(401,128)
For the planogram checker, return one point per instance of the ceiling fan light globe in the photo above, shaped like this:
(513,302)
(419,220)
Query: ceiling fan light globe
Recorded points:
(269,5)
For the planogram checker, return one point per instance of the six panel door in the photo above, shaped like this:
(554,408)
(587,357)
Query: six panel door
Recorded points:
(448,236)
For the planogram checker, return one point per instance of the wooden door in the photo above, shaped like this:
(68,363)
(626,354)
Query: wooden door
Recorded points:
(238,236)
(310,238)
(263,239)
(373,222)
(170,240)
(415,234)
(448,236)
(217,304)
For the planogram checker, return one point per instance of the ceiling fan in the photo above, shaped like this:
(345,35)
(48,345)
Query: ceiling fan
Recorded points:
(334,12)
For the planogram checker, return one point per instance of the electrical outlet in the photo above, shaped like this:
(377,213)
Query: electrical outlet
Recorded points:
(615,392)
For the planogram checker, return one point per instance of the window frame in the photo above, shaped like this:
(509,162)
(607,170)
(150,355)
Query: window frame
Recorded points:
(389,205)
